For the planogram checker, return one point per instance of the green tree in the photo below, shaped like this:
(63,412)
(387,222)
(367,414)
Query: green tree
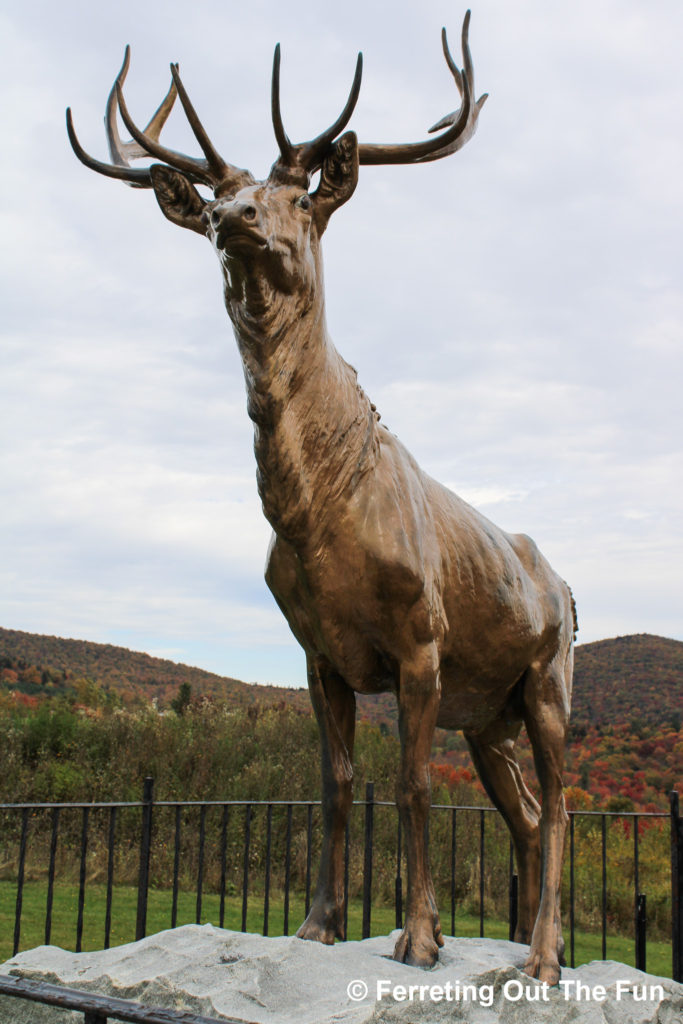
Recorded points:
(181,701)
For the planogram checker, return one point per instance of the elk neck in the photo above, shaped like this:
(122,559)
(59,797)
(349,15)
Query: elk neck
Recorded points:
(315,430)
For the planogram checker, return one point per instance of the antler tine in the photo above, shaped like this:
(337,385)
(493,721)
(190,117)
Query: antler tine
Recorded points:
(281,137)
(461,124)
(301,160)
(468,66)
(215,161)
(455,70)
(314,151)
(122,152)
(197,170)
(138,177)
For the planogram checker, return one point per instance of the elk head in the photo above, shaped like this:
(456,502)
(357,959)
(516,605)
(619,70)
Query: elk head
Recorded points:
(266,233)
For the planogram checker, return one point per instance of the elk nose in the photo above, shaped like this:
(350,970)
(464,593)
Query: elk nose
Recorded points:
(233,212)
(235,218)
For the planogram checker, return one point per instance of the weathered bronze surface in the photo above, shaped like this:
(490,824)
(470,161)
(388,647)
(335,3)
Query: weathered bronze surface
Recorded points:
(387,579)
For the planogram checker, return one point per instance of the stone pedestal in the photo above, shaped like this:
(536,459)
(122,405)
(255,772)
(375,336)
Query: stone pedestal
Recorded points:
(280,980)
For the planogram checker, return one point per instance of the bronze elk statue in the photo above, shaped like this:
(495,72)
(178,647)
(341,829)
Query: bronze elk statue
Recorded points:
(388,580)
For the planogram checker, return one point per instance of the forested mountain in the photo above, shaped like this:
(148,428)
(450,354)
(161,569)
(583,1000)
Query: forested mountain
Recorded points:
(34,665)
(625,744)
(629,680)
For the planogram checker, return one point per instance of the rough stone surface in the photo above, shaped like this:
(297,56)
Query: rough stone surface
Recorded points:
(226,974)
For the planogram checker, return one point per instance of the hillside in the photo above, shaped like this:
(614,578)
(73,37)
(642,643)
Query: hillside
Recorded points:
(34,664)
(630,679)
(625,741)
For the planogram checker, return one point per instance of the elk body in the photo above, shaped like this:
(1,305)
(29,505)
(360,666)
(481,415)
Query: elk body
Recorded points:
(388,580)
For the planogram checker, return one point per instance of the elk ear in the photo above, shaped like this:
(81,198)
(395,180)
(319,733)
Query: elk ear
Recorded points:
(178,198)
(338,179)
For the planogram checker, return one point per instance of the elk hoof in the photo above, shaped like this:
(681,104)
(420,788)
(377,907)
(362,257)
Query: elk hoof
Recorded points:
(419,948)
(545,968)
(323,924)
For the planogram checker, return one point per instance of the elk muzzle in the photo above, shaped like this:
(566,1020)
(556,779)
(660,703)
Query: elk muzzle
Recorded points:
(236,222)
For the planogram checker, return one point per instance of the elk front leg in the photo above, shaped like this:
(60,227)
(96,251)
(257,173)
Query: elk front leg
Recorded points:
(418,705)
(334,704)
(546,698)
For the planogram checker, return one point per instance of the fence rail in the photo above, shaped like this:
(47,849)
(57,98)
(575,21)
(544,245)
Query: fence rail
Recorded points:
(261,845)
(99,1009)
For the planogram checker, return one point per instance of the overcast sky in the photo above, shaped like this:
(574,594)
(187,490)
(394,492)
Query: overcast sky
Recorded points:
(515,311)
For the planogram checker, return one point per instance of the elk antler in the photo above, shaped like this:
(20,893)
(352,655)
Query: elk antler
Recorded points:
(462,123)
(212,171)
(297,163)
(123,152)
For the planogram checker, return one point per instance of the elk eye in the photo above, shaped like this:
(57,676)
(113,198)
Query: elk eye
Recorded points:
(304,201)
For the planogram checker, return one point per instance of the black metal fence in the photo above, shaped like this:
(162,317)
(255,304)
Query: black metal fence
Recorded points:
(243,853)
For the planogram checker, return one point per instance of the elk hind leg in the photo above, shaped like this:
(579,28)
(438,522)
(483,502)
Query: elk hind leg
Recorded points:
(334,704)
(497,766)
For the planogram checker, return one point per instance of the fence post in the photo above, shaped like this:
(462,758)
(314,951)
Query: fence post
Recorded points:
(676,887)
(145,851)
(641,933)
(367,862)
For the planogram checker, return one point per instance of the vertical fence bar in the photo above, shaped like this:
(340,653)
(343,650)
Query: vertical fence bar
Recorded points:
(224,863)
(20,879)
(604,885)
(110,876)
(346,879)
(636,880)
(641,933)
(81,880)
(288,868)
(176,864)
(309,845)
(200,863)
(266,892)
(51,874)
(245,865)
(367,858)
(513,890)
(676,887)
(454,839)
(398,885)
(514,907)
(572,891)
(145,851)
(482,827)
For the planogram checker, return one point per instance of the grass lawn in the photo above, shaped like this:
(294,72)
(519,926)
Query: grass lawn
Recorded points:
(124,911)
